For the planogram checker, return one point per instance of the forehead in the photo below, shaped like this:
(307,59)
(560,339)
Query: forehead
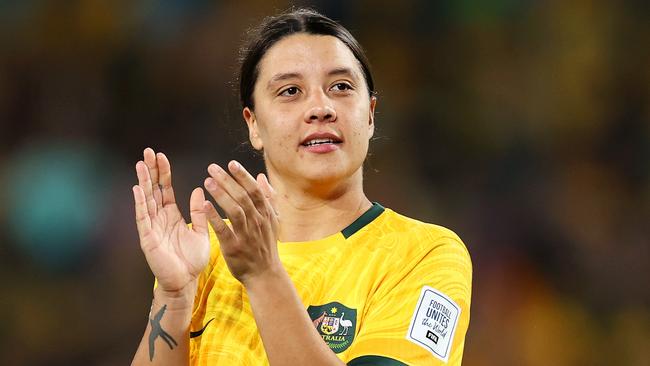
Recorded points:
(305,54)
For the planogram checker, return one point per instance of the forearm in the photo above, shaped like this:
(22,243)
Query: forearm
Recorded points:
(287,332)
(166,337)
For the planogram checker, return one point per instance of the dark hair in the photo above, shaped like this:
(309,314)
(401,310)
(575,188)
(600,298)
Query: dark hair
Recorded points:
(274,28)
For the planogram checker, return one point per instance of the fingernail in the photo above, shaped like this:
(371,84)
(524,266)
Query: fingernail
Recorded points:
(209,183)
(214,169)
(234,166)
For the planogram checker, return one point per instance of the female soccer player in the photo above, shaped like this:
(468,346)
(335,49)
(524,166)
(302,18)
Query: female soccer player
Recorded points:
(307,270)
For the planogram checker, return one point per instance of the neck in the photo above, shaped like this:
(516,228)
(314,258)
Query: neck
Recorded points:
(313,211)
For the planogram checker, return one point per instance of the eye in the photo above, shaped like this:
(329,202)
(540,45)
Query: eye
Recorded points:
(288,92)
(341,87)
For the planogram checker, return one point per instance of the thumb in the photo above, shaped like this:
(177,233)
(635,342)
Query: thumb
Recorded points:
(197,214)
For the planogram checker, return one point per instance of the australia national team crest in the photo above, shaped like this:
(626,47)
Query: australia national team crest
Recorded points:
(336,323)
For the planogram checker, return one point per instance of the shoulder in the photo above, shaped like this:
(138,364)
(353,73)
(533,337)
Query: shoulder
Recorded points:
(404,234)
(421,299)
(425,255)
(410,252)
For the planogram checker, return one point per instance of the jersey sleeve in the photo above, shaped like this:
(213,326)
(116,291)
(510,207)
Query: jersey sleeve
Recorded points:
(420,313)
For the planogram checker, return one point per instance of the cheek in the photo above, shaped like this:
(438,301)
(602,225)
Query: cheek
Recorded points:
(273,128)
(359,138)
(277,140)
(282,143)
(362,130)
(364,136)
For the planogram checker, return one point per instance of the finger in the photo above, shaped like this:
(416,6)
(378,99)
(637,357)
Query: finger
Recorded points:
(197,213)
(152,164)
(250,185)
(233,210)
(165,179)
(144,181)
(142,219)
(234,189)
(224,233)
(269,193)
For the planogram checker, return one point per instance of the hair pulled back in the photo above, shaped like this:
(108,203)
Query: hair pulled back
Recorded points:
(274,28)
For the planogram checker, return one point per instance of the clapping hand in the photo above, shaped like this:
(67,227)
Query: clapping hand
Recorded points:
(249,244)
(175,252)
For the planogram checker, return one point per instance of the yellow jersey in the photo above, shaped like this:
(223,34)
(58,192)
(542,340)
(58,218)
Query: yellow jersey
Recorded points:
(386,290)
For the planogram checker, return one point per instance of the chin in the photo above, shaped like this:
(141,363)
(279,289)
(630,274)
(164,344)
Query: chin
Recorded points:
(328,175)
(324,178)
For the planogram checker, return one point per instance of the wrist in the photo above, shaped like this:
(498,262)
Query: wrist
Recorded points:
(182,299)
(267,280)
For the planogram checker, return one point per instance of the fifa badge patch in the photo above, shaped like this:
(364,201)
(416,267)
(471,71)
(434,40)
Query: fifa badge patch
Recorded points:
(336,324)
(434,322)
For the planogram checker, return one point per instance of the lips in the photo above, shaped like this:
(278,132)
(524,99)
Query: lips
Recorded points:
(321,138)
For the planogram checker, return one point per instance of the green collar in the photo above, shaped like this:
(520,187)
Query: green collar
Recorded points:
(373,212)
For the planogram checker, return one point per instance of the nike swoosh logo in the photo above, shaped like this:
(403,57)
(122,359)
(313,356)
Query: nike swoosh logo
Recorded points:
(199,332)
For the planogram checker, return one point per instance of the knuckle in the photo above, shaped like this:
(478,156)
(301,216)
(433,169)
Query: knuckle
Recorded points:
(257,220)
(237,197)
(240,196)
(140,217)
(239,214)
(257,198)
(234,250)
(220,227)
(269,213)
(214,192)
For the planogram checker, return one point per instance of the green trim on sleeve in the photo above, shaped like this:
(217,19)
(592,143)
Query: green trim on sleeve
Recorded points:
(363,220)
(372,360)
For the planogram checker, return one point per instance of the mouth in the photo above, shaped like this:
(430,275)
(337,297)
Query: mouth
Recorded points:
(316,142)
(317,139)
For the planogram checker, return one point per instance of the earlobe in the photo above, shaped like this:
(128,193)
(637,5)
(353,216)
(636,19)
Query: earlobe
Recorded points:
(253,131)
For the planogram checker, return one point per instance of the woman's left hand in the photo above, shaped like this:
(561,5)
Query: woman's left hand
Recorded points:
(249,244)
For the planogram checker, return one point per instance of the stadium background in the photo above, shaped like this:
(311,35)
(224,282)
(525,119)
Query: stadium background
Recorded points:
(522,125)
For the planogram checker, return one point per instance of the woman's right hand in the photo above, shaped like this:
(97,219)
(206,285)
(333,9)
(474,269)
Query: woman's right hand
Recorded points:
(175,252)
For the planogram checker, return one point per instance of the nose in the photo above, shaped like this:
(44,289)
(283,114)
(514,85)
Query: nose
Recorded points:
(320,112)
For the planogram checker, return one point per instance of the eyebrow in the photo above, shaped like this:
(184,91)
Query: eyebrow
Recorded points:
(283,76)
(342,71)
(296,75)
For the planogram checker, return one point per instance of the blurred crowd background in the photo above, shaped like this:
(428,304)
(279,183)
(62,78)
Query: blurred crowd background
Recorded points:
(522,125)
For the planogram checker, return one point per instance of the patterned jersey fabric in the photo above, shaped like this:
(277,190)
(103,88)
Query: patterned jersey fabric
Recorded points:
(386,290)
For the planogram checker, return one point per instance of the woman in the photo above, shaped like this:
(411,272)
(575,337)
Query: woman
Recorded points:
(307,271)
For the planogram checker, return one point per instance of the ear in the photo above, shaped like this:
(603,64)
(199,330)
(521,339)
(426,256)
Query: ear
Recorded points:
(253,130)
(371,117)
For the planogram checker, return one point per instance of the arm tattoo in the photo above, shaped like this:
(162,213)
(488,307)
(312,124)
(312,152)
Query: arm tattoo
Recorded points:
(157,331)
